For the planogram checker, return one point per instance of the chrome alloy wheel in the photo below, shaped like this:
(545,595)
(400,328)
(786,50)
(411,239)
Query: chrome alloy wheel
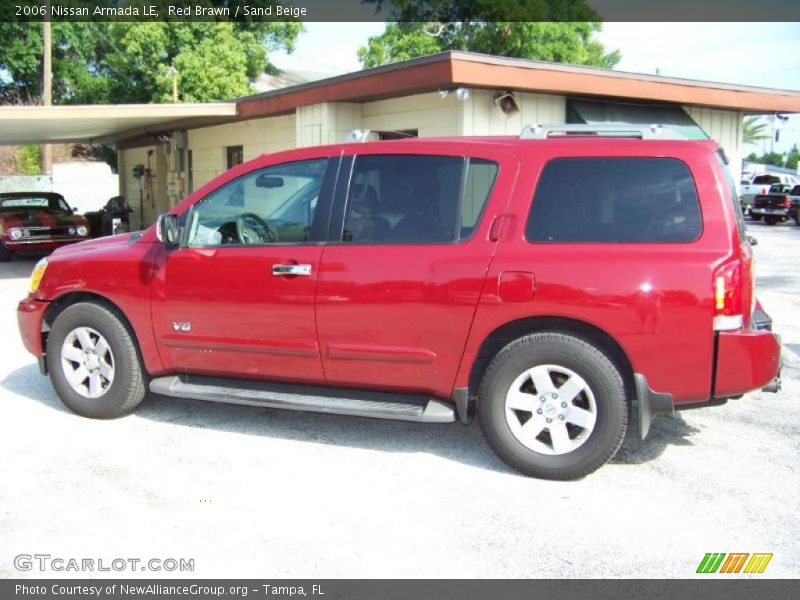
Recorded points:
(550,409)
(87,362)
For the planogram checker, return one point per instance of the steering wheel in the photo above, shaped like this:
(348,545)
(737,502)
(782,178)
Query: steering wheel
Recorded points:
(259,234)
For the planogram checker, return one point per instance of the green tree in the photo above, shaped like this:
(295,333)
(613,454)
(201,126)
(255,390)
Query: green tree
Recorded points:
(124,62)
(563,42)
(29,158)
(793,157)
(754,130)
(552,30)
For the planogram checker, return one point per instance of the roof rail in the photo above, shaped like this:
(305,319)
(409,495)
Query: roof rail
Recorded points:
(644,132)
(357,135)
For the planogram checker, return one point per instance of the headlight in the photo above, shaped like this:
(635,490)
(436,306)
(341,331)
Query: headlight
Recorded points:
(38,273)
(72,231)
(82,230)
(15,233)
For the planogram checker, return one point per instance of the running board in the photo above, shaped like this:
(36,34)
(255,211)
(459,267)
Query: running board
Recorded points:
(357,403)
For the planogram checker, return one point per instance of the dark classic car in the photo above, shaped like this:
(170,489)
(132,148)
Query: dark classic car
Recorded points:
(36,223)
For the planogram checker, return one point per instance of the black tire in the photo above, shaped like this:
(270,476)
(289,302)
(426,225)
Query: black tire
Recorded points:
(5,253)
(597,371)
(771,219)
(755,217)
(127,388)
(796,218)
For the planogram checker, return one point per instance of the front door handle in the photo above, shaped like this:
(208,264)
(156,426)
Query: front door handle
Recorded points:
(280,270)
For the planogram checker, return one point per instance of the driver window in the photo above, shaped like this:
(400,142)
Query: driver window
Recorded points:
(274,205)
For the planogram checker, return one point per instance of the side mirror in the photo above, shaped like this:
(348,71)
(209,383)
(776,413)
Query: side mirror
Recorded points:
(167,230)
(74,210)
(752,241)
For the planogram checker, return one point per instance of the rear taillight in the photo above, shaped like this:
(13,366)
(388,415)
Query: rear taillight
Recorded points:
(787,202)
(728,297)
(764,190)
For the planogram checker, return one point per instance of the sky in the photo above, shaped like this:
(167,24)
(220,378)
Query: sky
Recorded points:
(758,54)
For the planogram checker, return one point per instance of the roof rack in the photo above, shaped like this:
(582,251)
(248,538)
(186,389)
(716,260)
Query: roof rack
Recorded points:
(644,132)
(357,135)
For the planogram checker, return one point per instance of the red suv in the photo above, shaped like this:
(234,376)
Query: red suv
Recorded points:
(549,283)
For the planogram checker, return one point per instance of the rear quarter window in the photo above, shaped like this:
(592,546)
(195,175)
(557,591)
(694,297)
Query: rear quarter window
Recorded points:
(615,200)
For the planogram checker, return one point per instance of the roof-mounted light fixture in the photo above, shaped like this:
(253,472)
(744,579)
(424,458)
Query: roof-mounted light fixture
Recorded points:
(462,93)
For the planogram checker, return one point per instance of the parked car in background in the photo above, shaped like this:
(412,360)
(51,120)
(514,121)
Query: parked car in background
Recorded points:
(760,186)
(429,280)
(794,208)
(37,223)
(775,206)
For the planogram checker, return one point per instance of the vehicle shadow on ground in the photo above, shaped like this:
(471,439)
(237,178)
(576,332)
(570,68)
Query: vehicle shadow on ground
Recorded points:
(455,442)
(665,431)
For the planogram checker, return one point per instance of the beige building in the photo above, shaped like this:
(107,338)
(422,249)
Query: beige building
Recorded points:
(447,94)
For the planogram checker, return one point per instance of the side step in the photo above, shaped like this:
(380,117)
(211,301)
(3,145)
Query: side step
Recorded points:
(357,403)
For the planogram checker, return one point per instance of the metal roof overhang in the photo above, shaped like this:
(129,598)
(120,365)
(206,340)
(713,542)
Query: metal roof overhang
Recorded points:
(104,123)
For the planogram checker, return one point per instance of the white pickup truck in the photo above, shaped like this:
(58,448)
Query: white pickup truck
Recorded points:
(760,186)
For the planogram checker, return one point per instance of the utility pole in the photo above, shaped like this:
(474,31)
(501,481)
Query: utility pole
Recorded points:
(173,72)
(47,86)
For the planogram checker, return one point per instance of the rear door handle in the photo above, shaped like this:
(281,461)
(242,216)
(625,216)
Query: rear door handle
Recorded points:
(280,270)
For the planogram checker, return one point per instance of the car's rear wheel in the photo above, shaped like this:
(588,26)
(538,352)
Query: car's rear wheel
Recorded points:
(771,219)
(93,362)
(552,405)
(5,253)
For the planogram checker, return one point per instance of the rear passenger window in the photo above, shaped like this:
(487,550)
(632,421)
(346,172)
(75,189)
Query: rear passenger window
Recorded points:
(614,200)
(416,199)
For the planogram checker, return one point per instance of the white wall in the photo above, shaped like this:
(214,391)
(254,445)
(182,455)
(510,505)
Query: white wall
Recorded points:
(430,114)
(480,116)
(257,136)
(724,126)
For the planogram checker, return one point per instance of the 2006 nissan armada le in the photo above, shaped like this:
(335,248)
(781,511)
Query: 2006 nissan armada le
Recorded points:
(549,283)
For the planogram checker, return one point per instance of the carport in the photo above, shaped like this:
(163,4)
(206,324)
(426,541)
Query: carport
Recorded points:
(100,124)
(113,124)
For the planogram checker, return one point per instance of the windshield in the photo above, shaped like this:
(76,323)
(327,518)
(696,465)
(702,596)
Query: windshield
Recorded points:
(50,203)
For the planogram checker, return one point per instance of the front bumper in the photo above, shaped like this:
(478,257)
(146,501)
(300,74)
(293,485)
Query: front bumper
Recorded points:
(40,246)
(30,315)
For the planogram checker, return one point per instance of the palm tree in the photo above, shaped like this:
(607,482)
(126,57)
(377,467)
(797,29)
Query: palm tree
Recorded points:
(754,130)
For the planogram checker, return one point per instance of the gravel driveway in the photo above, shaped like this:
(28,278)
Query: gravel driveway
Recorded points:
(258,492)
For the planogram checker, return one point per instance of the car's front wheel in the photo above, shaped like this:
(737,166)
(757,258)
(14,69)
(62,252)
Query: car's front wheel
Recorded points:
(5,253)
(552,405)
(93,362)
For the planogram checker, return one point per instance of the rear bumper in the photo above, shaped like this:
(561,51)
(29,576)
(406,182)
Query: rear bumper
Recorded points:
(747,360)
(777,212)
(30,314)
